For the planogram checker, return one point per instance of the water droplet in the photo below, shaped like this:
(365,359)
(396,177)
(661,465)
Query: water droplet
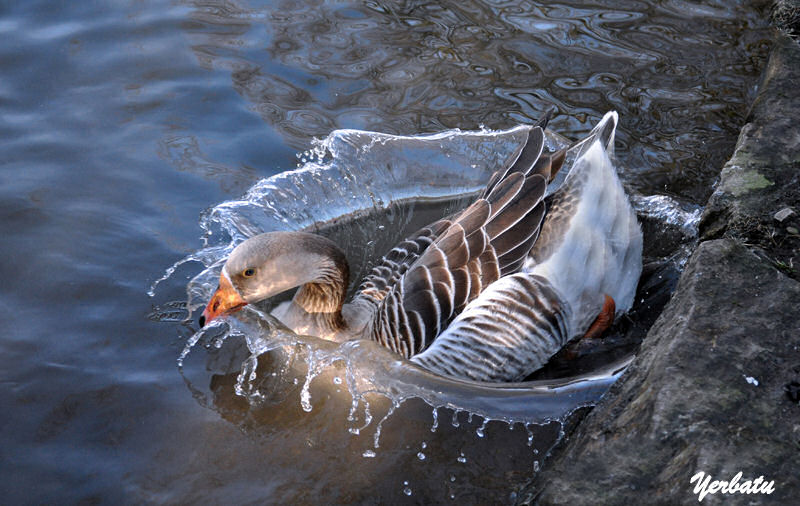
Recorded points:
(424,445)
(480,431)
(455,422)
(337,380)
(368,454)
(452,477)
(435,420)
(462,458)
(535,466)
(421,456)
(407,491)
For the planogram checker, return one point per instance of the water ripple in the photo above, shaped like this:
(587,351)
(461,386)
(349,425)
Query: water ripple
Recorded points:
(678,72)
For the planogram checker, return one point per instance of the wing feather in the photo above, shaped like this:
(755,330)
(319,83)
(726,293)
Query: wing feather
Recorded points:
(451,262)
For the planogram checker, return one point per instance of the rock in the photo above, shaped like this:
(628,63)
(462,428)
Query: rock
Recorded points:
(784,214)
(686,404)
(764,172)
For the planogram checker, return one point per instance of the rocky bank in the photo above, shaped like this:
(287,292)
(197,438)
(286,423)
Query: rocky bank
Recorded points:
(715,386)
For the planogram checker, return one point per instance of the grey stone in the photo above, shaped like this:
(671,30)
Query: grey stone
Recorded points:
(690,401)
(784,214)
(764,172)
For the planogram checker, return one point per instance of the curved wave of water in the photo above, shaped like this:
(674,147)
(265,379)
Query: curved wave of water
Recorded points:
(367,191)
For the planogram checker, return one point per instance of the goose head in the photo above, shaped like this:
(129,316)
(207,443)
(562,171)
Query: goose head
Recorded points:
(268,264)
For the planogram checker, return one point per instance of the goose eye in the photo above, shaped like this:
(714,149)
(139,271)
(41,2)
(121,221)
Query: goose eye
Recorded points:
(248,272)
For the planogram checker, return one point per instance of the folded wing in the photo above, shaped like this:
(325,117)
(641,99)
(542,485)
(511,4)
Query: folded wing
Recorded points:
(486,241)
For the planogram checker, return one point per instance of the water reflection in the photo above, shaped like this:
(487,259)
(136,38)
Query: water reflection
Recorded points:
(677,72)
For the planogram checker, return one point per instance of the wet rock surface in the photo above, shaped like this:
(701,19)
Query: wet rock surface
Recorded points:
(715,385)
(758,196)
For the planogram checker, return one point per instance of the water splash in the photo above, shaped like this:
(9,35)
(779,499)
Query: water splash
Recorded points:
(381,182)
(481,431)
(669,212)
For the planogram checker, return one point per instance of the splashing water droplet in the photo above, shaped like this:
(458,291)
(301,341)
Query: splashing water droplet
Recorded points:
(435,420)
(305,394)
(455,422)
(377,437)
(536,466)
(407,491)
(480,431)
(421,456)
(368,454)
(530,434)
(461,458)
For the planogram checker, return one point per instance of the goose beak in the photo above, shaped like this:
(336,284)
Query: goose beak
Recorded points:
(226,300)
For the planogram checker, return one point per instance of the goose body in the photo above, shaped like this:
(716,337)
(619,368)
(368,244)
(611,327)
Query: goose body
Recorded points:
(489,294)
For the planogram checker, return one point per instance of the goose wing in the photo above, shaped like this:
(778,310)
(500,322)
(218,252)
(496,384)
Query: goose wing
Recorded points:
(489,239)
(394,264)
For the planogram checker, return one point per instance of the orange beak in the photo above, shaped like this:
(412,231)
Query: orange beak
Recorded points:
(226,300)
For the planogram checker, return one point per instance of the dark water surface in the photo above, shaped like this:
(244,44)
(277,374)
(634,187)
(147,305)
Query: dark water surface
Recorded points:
(120,122)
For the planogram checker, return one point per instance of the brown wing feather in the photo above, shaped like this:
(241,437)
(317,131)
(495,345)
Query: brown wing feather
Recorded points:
(396,262)
(488,239)
(523,159)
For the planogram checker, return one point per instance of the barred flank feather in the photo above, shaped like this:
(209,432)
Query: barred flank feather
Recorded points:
(513,329)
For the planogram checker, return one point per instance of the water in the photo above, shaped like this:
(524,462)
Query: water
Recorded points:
(121,122)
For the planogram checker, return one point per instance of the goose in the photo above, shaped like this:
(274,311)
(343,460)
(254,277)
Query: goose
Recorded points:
(488,294)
